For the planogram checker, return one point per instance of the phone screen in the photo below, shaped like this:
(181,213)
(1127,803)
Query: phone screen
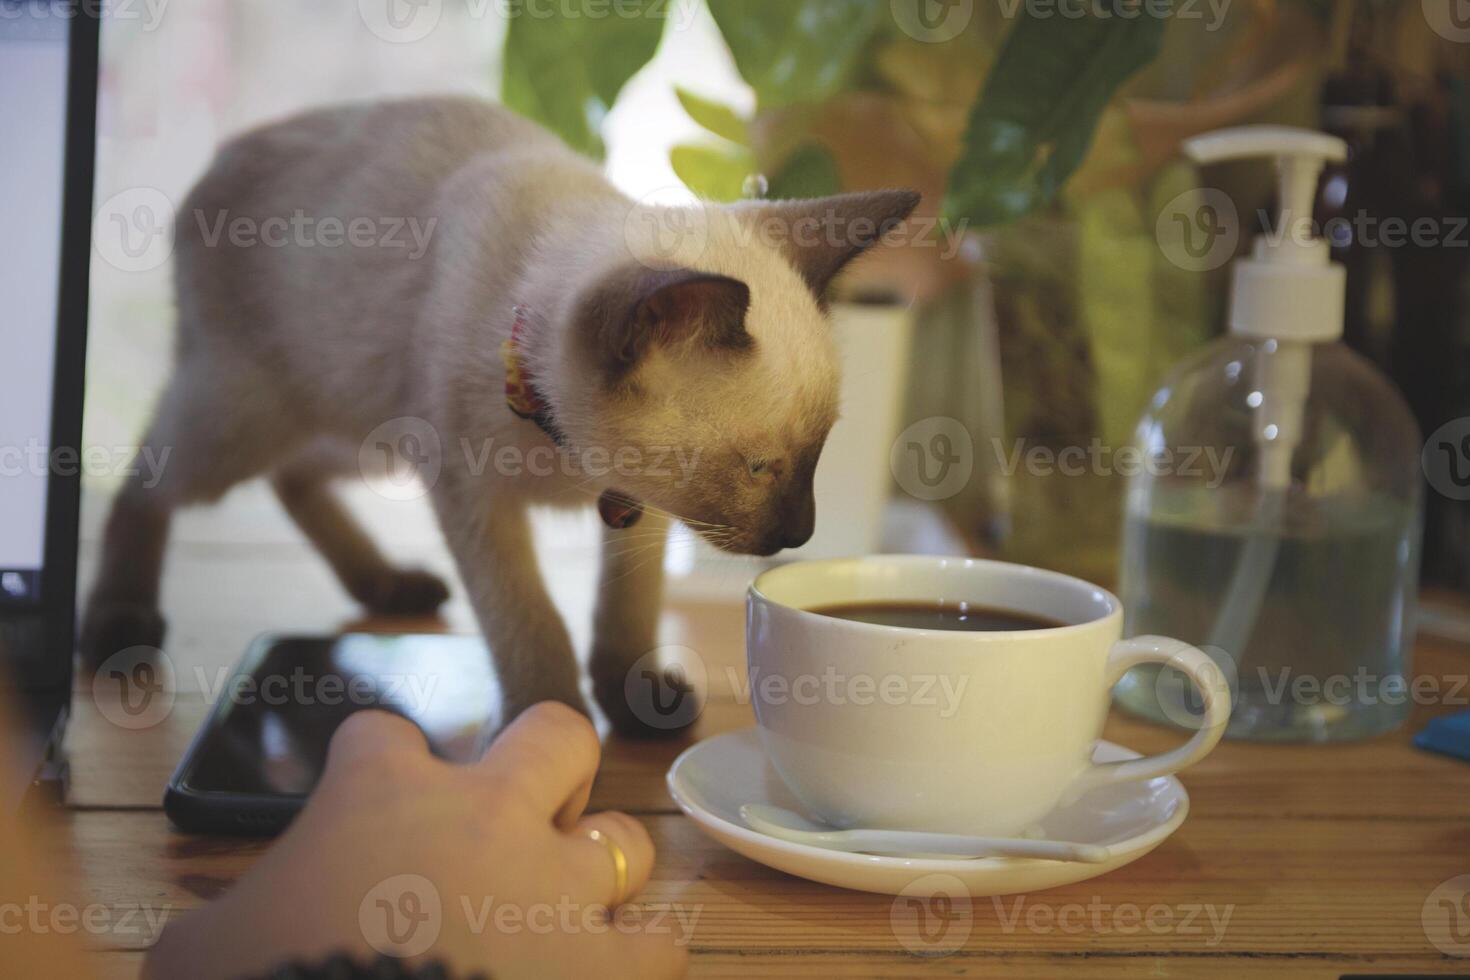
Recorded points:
(273,720)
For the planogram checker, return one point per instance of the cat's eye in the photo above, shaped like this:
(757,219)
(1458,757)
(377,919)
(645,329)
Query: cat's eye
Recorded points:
(758,467)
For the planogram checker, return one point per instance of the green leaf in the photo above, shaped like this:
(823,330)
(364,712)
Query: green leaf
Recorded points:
(718,119)
(1033,123)
(565,70)
(809,172)
(715,173)
(796,51)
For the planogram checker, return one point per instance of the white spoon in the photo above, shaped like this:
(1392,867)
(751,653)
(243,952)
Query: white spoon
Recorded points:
(780,822)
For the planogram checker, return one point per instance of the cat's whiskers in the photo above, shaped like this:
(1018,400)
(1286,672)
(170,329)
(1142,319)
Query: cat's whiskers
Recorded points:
(693,523)
(651,555)
(628,546)
(628,543)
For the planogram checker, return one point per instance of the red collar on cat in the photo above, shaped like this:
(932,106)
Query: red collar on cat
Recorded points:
(617,510)
(520,387)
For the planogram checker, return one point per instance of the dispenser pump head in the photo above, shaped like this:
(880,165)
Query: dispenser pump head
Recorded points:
(1289,288)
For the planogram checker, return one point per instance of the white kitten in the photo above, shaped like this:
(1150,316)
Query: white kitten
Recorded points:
(678,363)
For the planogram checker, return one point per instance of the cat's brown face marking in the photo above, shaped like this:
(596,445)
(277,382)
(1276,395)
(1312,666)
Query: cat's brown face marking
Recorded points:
(742,481)
(758,502)
(728,361)
(787,514)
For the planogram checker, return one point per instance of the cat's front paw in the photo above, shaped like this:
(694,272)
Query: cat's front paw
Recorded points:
(111,626)
(657,702)
(404,592)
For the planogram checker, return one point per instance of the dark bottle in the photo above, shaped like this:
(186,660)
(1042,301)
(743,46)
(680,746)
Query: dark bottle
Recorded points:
(1397,217)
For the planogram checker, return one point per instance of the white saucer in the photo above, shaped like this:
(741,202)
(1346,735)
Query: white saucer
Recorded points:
(712,779)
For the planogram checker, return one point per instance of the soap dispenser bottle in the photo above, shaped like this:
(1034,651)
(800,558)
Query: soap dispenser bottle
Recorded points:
(1274,519)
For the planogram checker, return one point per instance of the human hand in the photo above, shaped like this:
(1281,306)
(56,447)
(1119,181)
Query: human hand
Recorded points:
(485,867)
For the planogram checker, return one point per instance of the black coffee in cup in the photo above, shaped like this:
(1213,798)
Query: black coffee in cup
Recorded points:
(959,616)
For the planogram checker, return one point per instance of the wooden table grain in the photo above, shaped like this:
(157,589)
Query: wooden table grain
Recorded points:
(1296,861)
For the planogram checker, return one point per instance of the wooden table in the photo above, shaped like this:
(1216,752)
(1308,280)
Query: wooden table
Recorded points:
(1323,858)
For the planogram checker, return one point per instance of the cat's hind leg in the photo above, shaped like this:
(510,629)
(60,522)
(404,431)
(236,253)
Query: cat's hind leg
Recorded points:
(304,488)
(213,429)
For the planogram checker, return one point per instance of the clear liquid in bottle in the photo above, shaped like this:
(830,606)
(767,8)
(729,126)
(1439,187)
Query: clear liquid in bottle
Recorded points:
(1328,655)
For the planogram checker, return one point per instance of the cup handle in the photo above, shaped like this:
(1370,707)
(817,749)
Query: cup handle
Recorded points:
(1207,678)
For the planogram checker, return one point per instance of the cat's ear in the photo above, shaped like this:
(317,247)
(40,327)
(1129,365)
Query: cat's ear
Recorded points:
(639,308)
(822,235)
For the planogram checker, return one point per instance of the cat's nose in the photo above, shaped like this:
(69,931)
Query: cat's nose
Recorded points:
(800,520)
(797,537)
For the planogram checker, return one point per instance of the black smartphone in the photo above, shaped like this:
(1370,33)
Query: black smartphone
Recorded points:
(262,749)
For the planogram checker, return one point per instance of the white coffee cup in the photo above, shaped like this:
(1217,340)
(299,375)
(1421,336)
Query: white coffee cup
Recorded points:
(968,732)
